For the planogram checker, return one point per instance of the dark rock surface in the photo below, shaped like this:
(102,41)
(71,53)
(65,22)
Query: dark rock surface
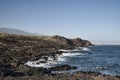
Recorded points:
(6,70)
(63,68)
(38,71)
(81,43)
(72,43)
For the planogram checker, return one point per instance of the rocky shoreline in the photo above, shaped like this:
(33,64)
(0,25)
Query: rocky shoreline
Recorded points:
(16,50)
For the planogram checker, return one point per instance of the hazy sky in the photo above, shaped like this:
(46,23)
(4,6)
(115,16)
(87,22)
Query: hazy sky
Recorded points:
(95,20)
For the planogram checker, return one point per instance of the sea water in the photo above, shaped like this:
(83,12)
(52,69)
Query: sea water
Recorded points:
(104,59)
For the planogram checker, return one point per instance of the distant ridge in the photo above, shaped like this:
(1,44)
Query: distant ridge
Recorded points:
(16,31)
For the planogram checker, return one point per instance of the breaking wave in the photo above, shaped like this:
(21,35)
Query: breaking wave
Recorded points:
(60,58)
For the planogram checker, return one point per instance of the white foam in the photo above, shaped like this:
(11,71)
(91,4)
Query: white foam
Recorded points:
(61,59)
(34,64)
(107,73)
(50,59)
(85,49)
(70,54)
(74,54)
(74,50)
(63,56)
(41,60)
(46,64)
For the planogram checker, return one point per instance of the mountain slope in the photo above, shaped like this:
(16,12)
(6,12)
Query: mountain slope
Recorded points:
(15,31)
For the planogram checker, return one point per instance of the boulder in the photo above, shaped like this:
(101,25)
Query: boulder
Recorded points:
(38,71)
(63,68)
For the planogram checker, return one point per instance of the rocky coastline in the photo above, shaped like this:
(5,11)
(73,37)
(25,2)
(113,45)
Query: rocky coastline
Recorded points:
(16,50)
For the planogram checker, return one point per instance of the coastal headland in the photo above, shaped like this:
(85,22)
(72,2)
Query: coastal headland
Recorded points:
(17,50)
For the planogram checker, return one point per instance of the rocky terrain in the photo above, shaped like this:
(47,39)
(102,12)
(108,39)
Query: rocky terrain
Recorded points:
(16,50)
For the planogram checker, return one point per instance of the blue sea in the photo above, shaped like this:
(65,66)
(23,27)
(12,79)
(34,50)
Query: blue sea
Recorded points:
(104,59)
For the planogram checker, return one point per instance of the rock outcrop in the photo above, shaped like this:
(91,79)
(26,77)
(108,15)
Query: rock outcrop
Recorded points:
(16,50)
(73,43)
(81,43)
(64,67)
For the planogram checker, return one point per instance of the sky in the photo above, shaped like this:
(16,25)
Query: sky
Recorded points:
(94,20)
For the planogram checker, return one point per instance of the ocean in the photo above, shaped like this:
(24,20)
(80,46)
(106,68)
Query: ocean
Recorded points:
(104,59)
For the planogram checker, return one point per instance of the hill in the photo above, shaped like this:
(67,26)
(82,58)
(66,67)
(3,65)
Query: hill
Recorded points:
(15,31)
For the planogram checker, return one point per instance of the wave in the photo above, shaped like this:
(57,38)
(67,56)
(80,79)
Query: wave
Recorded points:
(51,61)
(85,48)
(72,54)
(69,51)
(61,58)
(76,50)
(34,64)
(42,63)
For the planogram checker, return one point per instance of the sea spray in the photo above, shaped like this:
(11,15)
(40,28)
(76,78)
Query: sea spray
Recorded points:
(60,59)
